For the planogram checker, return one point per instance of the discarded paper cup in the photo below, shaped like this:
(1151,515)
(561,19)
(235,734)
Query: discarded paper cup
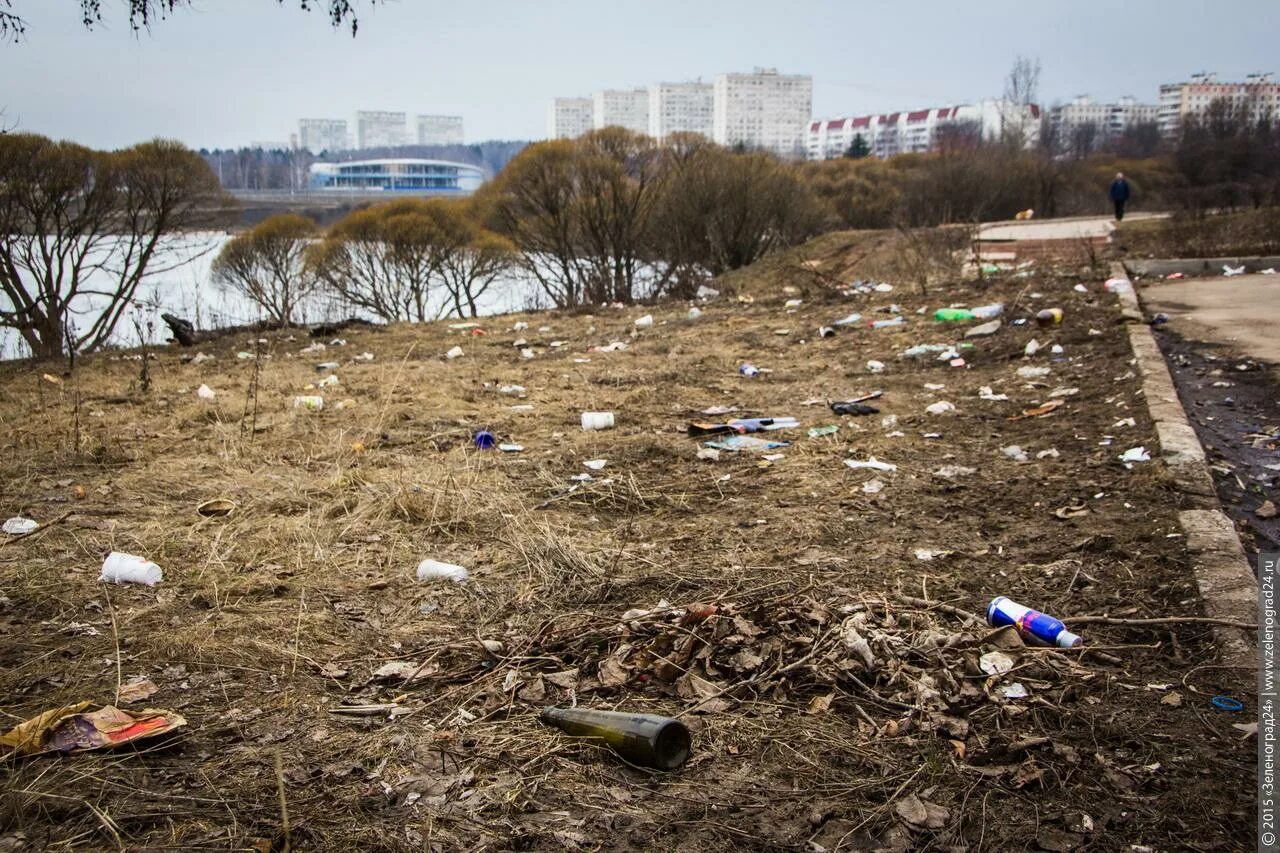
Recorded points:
(429,570)
(644,322)
(597,420)
(17,526)
(126,568)
(216,507)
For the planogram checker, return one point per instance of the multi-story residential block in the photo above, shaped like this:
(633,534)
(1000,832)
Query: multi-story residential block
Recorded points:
(763,110)
(377,129)
(681,108)
(439,130)
(1256,96)
(919,131)
(318,135)
(1109,120)
(627,108)
(569,118)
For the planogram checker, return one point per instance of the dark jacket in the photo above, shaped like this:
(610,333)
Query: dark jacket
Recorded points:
(1120,190)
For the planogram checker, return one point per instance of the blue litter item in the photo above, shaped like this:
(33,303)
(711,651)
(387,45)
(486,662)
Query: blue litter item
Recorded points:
(1033,625)
(736,443)
(1226,703)
(485,440)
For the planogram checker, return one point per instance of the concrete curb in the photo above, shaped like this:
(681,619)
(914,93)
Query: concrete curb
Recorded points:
(1221,570)
(1198,266)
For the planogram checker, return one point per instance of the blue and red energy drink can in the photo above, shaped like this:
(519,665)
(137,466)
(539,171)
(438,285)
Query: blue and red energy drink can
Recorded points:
(1034,626)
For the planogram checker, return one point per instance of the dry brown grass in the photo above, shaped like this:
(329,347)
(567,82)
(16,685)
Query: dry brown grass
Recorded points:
(271,617)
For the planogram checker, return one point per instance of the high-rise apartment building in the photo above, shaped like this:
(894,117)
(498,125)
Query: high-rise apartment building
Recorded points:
(627,108)
(763,110)
(1107,120)
(323,134)
(681,108)
(569,118)
(376,129)
(439,130)
(1256,96)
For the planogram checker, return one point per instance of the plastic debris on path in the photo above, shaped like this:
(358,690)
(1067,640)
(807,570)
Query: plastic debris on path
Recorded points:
(871,463)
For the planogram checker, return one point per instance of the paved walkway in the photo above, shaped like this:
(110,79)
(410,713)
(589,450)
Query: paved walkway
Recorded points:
(1070,228)
(1242,311)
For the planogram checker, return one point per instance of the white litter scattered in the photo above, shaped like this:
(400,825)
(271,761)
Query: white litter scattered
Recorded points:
(204,392)
(1014,452)
(429,570)
(18,525)
(1135,454)
(596,464)
(453,353)
(872,463)
(940,408)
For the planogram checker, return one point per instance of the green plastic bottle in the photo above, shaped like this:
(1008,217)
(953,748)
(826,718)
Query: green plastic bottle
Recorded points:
(952,315)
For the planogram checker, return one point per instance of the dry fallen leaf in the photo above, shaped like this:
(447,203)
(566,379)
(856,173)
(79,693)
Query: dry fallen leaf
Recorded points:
(613,673)
(1171,699)
(820,704)
(921,813)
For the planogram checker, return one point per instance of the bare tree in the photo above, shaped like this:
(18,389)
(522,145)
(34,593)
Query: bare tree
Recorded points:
(266,265)
(383,259)
(580,212)
(81,229)
(472,259)
(144,13)
(1018,104)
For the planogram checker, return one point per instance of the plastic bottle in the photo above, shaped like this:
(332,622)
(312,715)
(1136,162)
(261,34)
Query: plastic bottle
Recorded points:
(126,568)
(953,315)
(988,312)
(644,739)
(749,370)
(597,420)
(885,324)
(1033,625)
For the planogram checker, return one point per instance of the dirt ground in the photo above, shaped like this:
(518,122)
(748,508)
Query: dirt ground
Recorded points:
(735,592)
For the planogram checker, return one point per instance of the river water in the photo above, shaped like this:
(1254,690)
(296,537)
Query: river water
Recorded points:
(180,284)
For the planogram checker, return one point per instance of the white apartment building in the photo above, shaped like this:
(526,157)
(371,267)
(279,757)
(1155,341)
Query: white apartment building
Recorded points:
(763,110)
(318,135)
(569,118)
(681,108)
(1192,98)
(376,129)
(1111,119)
(917,131)
(627,108)
(439,130)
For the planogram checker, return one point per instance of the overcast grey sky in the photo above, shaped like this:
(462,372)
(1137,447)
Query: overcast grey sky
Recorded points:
(230,71)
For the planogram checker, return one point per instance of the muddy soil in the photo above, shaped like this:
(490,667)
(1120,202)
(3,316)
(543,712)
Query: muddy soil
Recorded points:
(1233,402)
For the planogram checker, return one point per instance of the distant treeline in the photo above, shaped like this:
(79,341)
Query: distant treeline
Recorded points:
(283,169)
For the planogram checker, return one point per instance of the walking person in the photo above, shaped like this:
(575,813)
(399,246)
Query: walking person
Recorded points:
(1119,194)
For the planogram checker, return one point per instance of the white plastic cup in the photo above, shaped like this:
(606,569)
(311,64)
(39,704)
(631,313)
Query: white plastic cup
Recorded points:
(597,420)
(644,322)
(429,570)
(126,568)
(17,526)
